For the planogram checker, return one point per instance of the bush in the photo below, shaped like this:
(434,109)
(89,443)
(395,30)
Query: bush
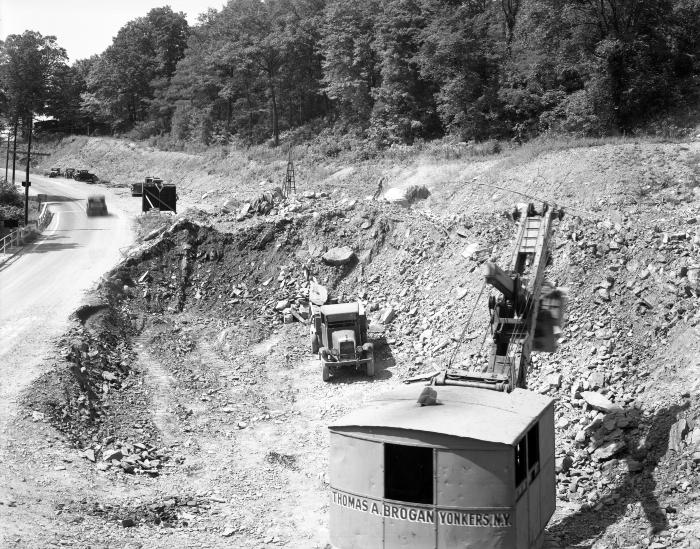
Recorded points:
(143,130)
(9,196)
(575,115)
(11,213)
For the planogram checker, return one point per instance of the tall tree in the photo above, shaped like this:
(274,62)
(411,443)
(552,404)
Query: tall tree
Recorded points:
(594,67)
(251,69)
(142,58)
(350,62)
(462,50)
(29,68)
(404,106)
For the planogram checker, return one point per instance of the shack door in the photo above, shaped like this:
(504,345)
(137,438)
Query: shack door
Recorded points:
(409,493)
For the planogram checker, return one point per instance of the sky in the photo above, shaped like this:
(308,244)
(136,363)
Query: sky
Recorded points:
(86,27)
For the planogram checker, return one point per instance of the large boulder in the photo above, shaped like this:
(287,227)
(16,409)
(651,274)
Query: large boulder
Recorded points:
(599,402)
(608,450)
(339,256)
(405,195)
(318,294)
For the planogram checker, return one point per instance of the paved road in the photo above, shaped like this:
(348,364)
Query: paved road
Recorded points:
(44,283)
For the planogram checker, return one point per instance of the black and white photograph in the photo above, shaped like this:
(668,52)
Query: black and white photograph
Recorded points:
(350,274)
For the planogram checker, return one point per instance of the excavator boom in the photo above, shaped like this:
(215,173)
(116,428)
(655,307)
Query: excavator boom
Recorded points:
(514,314)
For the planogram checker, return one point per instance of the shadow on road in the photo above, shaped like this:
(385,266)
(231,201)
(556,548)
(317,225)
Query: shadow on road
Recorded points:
(50,243)
(588,523)
(59,198)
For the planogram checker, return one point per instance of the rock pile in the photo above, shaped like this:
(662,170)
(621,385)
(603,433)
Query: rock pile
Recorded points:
(273,203)
(169,510)
(99,361)
(132,458)
(291,295)
(263,205)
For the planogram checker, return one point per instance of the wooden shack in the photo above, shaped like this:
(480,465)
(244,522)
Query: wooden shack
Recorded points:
(475,470)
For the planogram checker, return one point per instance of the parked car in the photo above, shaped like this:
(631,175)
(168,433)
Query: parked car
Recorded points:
(85,175)
(69,173)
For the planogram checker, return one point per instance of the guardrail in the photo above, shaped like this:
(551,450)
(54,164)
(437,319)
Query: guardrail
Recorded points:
(44,218)
(17,237)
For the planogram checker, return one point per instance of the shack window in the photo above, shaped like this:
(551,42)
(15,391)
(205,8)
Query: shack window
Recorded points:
(408,473)
(520,463)
(533,450)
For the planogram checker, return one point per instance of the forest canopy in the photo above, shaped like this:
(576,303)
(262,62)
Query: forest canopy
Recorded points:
(392,71)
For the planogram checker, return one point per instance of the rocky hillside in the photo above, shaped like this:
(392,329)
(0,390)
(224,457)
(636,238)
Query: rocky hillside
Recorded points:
(206,393)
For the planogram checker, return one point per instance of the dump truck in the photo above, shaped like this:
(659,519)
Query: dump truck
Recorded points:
(339,336)
(96,205)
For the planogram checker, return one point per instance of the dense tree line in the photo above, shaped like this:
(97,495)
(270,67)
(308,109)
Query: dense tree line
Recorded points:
(33,78)
(392,70)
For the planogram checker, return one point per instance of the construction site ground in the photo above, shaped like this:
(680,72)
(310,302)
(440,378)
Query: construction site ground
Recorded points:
(182,406)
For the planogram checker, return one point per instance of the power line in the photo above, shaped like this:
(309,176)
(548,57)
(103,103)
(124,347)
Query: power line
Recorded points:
(526,195)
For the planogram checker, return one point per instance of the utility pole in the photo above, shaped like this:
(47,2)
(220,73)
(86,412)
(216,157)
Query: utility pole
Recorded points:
(7,157)
(26,183)
(14,151)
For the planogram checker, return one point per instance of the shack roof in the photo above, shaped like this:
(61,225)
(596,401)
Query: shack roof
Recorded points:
(340,309)
(464,412)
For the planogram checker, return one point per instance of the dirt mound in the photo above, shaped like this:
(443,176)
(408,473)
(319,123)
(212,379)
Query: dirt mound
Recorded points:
(97,360)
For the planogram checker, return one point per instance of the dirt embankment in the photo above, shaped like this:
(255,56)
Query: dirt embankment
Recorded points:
(200,415)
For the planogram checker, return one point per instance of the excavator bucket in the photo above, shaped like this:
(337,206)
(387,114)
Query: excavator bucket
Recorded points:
(550,320)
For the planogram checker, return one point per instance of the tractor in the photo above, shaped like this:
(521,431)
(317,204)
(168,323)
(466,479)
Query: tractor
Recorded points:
(339,336)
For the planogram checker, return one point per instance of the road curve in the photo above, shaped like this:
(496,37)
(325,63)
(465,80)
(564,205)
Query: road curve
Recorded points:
(45,282)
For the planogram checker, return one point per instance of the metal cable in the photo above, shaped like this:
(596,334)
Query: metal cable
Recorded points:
(498,187)
(466,326)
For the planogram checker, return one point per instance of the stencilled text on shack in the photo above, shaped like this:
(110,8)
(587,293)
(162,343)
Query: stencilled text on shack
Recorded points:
(452,517)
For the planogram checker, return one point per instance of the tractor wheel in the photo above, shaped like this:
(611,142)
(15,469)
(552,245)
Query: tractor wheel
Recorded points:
(314,343)
(323,355)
